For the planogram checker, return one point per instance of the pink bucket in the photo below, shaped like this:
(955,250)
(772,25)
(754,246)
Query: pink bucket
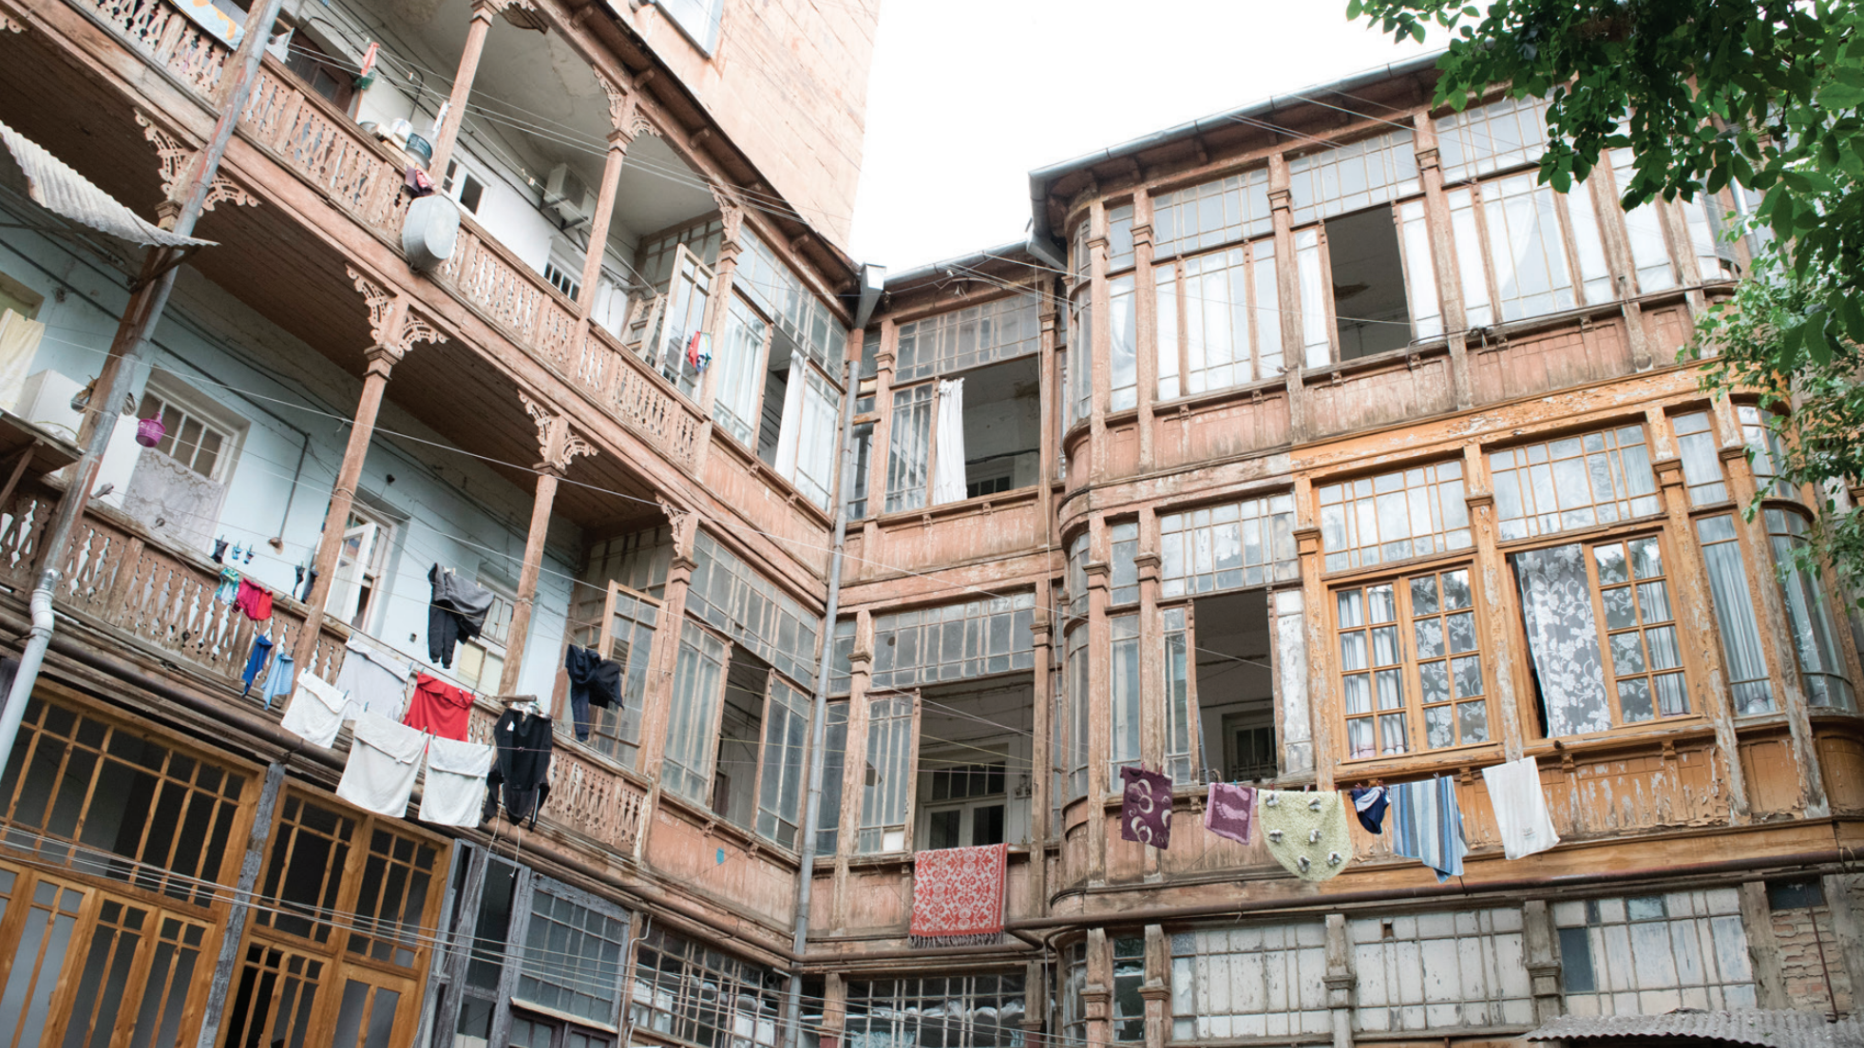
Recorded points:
(149,432)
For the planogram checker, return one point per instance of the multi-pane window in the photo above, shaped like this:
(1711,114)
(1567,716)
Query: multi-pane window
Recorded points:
(887,791)
(739,364)
(628,640)
(1821,660)
(1123,693)
(680,316)
(1574,482)
(1123,570)
(73,781)
(1439,971)
(1316,331)
(1250,981)
(573,955)
(1074,994)
(909,451)
(1228,546)
(1077,575)
(841,658)
(1601,628)
(657,255)
(1644,230)
(1481,140)
(1078,396)
(190,438)
(806,442)
(691,992)
(1761,430)
(1524,251)
(1352,177)
(834,761)
(1416,512)
(954,642)
(1746,661)
(1701,458)
(1119,238)
(1410,645)
(1180,762)
(1129,977)
(1123,369)
(1218,320)
(959,1011)
(1211,214)
(776,290)
(966,338)
(1080,260)
(863,440)
(1652,954)
(698,683)
(780,781)
(966,805)
(730,595)
(1426,309)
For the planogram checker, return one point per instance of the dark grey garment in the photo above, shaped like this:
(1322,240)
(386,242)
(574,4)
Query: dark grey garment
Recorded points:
(463,597)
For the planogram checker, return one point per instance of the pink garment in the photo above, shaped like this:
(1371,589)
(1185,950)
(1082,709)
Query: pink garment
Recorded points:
(254,600)
(1230,811)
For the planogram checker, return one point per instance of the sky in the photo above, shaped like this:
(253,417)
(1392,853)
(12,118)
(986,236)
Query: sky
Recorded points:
(968,96)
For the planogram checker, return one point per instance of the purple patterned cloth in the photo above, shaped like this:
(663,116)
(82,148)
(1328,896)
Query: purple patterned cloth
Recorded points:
(1230,811)
(1145,810)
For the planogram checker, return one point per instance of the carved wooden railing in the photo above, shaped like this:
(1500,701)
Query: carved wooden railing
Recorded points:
(114,577)
(364,178)
(584,796)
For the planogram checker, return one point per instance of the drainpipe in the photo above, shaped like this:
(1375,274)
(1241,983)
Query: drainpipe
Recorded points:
(148,298)
(818,721)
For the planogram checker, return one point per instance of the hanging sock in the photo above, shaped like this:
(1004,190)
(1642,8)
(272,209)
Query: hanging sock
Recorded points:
(261,647)
(220,551)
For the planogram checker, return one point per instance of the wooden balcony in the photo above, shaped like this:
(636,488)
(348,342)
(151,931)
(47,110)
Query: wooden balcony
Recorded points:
(363,177)
(118,581)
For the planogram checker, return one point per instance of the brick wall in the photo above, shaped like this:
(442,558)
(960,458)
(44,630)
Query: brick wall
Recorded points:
(1812,976)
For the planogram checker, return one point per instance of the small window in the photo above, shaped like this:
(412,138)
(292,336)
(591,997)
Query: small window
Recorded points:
(320,72)
(966,805)
(481,662)
(1795,895)
(188,436)
(1129,977)
(462,185)
(562,280)
(697,19)
(358,587)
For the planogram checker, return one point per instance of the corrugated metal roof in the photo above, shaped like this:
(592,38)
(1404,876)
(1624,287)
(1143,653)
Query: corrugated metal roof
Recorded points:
(1765,1028)
(62,191)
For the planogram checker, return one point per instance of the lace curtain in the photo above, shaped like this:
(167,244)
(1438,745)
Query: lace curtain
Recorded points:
(1556,604)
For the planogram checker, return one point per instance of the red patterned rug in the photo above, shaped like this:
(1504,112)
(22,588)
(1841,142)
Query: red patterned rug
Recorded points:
(958,896)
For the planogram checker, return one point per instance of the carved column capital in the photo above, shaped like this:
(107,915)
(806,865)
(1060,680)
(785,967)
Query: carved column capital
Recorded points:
(557,443)
(680,520)
(173,160)
(393,326)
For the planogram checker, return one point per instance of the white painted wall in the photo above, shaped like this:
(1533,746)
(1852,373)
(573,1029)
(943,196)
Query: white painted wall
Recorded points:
(296,402)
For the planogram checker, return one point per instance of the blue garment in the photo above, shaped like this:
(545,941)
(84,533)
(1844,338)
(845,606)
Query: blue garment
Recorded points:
(1369,804)
(261,647)
(278,682)
(1427,825)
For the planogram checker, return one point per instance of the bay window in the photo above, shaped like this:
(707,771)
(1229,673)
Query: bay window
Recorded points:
(1078,396)
(1761,429)
(1700,454)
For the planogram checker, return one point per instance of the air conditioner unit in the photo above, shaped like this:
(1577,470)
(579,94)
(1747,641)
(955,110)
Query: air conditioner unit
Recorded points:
(566,194)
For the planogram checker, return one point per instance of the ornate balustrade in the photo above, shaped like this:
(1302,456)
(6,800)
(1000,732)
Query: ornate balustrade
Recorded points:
(363,177)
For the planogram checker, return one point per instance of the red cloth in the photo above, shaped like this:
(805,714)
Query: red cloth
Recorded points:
(438,707)
(254,600)
(958,896)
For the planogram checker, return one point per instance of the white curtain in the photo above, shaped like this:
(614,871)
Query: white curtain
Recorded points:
(1556,604)
(948,465)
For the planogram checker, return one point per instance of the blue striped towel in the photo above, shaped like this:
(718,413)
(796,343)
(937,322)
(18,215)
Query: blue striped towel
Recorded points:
(1428,826)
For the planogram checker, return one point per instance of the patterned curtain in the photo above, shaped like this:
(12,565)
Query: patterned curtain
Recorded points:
(1556,604)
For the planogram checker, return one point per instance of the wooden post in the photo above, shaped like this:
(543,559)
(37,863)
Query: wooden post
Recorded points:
(1341,981)
(1041,758)
(1443,256)
(395,330)
(1489,577)
(1287,293)
(558,444)
(1100,779)
(618,140)
(239,910)
(476,30)
(1145,326)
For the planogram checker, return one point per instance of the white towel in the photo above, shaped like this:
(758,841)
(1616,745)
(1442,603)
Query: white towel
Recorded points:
(376,681)
(1520,807)
(316,711)
(454,793)
(383,761)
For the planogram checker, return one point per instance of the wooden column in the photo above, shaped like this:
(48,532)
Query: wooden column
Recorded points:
(666,654)
(621,116)
(1543,966)
(1097,994)
(1155,992)
(1049,397)
(1341,981)
(1145,325)
(557,444)
(1319,651)
(1098,353)
(396,330)
(1288,294)
(1041,757)
(476,30)
(1443,256)
(729,247)
(854,764)
(1499,613)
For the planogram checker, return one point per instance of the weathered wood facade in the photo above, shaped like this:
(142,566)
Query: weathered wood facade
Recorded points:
(1245,468)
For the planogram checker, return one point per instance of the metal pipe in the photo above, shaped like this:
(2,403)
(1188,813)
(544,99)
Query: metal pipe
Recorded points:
(818,723)
(148,298)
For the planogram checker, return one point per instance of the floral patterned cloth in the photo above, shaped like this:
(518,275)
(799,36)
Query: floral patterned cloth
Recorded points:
(1145,807)
(958,896)
(1556,604)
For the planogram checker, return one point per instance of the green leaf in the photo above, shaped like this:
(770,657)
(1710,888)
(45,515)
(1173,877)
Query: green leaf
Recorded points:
(1417,31)
(1353,9)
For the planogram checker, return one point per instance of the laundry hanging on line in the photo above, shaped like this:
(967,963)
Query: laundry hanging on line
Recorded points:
(438,707)
(255,600)
(1230,811)
(1427,825)
(1305,832)
(315,713)
(383,760)
(456,612)
(594,681)
(1520,808)
(1145,807)
(261,647)
(520,777)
